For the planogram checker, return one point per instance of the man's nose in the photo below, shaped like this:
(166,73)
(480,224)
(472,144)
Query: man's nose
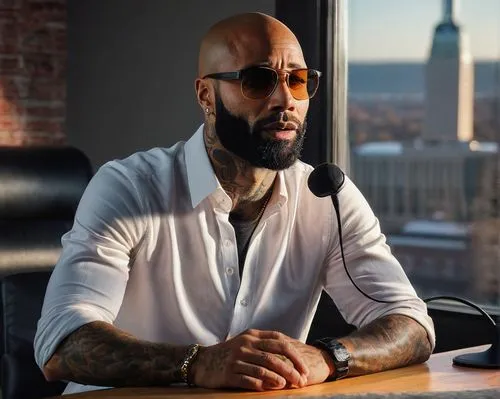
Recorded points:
(282,97)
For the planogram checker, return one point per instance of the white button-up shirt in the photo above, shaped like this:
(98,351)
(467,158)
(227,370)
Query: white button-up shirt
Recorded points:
(152,251)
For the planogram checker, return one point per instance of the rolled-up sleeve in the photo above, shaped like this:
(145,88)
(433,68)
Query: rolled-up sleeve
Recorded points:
(372,266)
(89,280)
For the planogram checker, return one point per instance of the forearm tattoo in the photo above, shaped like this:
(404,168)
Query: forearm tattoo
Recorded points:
(386,343)
(100,354)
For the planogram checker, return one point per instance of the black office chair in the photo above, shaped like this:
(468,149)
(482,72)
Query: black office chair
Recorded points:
(39,191)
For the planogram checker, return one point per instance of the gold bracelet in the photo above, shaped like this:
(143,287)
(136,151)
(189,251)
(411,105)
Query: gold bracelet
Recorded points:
(188,361)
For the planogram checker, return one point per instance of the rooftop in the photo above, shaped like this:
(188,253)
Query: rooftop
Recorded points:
(436,227)
(394,148)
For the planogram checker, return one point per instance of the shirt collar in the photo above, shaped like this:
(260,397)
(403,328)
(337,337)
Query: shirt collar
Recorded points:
(201,177)
(202,180)
(281,188)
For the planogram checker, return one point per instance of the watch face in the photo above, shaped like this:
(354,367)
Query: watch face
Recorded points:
(342,354)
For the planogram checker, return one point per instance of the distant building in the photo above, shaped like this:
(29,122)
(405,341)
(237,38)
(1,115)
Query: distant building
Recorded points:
(438,197)
(421,181)
(431,251)
(463,257)
(449,99)
(439,176)
(485,256)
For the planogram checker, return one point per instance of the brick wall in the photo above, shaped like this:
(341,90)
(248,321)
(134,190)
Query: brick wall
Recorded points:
(32,72)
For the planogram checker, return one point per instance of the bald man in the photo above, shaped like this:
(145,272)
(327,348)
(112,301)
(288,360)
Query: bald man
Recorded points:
(203,263)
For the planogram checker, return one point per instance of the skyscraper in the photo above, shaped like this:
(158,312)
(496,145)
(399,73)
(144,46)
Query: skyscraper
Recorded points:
(449,101)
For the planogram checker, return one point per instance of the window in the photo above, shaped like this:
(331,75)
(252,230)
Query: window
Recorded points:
(424,132)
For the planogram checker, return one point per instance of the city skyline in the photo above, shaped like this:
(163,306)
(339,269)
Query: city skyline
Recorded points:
(401,30)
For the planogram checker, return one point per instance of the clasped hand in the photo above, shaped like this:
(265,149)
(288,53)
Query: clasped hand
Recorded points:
(260,360)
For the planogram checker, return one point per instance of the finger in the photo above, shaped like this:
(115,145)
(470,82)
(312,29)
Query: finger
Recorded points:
(266,376)
(277,363)
(286,340)
(266,334)
(285,348)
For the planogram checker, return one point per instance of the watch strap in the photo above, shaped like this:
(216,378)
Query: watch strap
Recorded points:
(339,355)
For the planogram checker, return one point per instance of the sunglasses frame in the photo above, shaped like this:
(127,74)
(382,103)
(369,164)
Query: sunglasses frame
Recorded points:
(238,75)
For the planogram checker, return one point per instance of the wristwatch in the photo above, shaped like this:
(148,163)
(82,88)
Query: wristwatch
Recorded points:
(339,355)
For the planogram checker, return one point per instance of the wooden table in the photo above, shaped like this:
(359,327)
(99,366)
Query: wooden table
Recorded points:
(437,374)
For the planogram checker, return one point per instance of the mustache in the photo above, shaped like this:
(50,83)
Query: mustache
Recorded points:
(280,117)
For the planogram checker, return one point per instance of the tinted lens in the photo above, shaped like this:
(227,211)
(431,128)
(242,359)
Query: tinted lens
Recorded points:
(303,83)
(258,82)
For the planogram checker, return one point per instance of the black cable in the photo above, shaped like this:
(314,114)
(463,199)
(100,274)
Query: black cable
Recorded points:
(464,301)
(337,212)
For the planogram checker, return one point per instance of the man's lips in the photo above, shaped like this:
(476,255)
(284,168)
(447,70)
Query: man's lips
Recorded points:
(282,134)
(280,126)
(281,131)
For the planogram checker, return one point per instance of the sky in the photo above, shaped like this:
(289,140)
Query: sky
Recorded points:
(401,30)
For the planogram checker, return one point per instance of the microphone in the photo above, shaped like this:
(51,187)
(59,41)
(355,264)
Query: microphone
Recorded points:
(327,180)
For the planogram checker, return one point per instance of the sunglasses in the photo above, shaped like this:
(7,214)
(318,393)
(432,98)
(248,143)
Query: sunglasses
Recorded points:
(260,82)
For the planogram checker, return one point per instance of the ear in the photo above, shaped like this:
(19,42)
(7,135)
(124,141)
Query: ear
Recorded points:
(204,94)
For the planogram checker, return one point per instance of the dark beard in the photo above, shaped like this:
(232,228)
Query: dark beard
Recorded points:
(249,143)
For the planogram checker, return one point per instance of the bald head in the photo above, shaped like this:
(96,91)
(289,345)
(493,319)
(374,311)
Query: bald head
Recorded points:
(243,38)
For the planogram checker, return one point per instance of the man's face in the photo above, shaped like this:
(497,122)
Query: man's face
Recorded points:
(268,132)
(252,142)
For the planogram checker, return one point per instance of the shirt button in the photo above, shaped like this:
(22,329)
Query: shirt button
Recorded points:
(230,271)
(227,243)
(244,302)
